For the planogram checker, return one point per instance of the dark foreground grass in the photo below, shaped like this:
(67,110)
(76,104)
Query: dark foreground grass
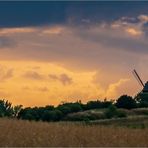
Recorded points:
(24,133)
(140,121)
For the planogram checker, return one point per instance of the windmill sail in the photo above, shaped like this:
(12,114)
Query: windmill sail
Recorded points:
(137,77)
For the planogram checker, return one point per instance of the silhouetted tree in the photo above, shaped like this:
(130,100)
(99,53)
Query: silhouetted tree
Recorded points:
(94,104)
(126,102)
(16,110)
(54,115)
(49,107)
(6,108)
(64,109)
(106,104)
(98,104)
(28,113)
(70,107)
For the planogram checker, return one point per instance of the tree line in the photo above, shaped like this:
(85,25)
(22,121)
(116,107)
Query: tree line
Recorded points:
(52,113)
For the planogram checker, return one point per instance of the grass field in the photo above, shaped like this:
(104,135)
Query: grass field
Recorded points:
(140,121)
(25,133)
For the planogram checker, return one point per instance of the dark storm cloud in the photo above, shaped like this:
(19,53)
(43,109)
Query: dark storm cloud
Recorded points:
(25,13)
(20,14)
(117,42)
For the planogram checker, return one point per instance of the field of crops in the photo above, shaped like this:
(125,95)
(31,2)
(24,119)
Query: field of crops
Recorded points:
(26,133)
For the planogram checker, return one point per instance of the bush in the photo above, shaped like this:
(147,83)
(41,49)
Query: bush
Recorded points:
(49,107)
(126,102)
(94,104)
(113,112)
(121,114)
(106,103)
(75,107)
(70,107)
(98,104)
(54,115)
(28,113)
(64,109)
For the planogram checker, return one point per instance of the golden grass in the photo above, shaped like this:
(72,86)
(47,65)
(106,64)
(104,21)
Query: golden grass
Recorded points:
(24,133)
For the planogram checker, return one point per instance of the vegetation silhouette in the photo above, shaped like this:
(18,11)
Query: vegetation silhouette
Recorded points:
(126,102)
(73,111)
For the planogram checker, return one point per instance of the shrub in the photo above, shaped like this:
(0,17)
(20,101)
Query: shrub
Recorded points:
(106,103)
(49,107)
(54,115)
(64,109)
(121,114)
(126,102)
(94,104)
(113,112)
(28,113)
(98,104)
(75,107)
(70,107)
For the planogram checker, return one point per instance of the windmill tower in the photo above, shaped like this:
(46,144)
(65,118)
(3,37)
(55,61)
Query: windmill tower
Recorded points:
(143,95)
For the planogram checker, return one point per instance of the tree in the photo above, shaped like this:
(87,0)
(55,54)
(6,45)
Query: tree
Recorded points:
(70,107)
(54,115)
(16,110)
(6,108)
(106,104)
(75,107)
(49,107)
(125,101)
(94,104)
(28,113)
(64,109)
(98,104)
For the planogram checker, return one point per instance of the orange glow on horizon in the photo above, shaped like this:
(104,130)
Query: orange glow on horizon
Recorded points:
(39,84)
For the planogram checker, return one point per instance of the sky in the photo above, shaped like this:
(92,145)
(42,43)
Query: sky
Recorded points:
(53,52)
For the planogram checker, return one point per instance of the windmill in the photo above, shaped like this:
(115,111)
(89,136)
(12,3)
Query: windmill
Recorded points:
(145,86)
(143,95)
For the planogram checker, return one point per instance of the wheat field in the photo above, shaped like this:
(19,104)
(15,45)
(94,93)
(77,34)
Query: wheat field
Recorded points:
(25,133)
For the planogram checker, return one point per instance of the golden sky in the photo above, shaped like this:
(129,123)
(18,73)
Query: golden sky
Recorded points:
(50,64)
(40,83)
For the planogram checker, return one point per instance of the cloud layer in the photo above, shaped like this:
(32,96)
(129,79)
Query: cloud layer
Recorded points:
(84,61)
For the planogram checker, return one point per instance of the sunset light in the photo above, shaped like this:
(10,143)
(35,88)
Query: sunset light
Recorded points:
(68,55)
